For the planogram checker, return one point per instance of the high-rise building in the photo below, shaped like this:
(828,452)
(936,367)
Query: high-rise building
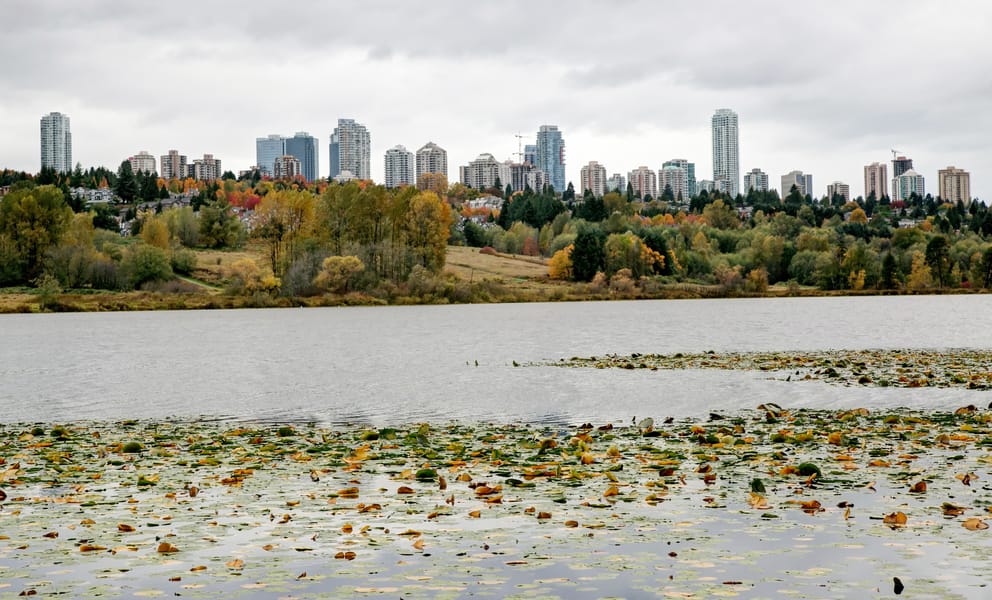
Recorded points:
(287,166)
(679,176)
(803,183)
(174,165)
(841,189)
(484,172)
(593,178)
(530,154)
(954,185)
(142,161)
(726,164)
(56,142)
(906,184)
(206,168)
(551,155)
(351,149)
(399,167)
(876,180)
(519,176)
(644,181)
(432,159)
(305,148)
(900,165)
(756,180)
(616,183)
(267,150)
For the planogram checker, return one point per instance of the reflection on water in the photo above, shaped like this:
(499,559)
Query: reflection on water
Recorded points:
(382,365)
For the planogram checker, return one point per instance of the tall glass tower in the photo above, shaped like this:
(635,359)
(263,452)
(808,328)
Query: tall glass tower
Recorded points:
(726,163)
(303,146)
(351,149)
(551,155)
(56,142)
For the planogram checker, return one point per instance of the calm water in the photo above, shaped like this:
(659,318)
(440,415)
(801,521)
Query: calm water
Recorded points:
(401,364)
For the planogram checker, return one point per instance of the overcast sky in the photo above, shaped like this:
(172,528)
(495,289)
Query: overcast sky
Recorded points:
(823,87)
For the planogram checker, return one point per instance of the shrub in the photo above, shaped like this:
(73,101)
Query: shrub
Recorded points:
(183,261)
(143,263)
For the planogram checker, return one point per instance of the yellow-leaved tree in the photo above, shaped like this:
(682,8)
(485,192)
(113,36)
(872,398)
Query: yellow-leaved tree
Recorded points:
(337,272)
(560,264)
(919,277)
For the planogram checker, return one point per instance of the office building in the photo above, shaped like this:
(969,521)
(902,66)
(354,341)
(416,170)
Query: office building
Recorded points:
(593,178)
(802,181)
(756,180)
(56,142)
(305,148)
(906,184)
(876,180)
(839,188)
(267,150)
(726,165)
(351,150)
(174,165)
(143,162)
(954,185)
(645,182)
(286,166)
(530,154)
(551,155)
(399,167)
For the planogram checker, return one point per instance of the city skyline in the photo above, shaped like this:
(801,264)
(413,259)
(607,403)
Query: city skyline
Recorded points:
(623,99)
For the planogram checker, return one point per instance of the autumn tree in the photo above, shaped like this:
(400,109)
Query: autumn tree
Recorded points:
(938,259)
(284,219)
(919,277)
(427,223)
(560,264)
(337,272)
(32,220)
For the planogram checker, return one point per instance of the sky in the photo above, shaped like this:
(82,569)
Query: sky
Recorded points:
(823,87)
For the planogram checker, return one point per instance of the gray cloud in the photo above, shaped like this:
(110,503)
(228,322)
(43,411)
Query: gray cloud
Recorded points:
(825,87)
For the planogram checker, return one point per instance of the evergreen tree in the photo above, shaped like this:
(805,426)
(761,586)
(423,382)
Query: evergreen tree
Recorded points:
(889,271)
(588,254)
(569,194)
(127,185)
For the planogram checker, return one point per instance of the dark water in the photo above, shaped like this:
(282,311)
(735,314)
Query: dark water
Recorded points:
(402,364)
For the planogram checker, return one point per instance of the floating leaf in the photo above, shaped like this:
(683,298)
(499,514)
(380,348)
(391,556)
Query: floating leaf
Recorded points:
(166,548)
(918,488)
(896,519)
(125,528)
(974,524)
(236,563)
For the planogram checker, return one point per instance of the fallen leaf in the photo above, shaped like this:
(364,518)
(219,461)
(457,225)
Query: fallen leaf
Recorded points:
(896,519)
(237,563)
(167,548)
(918,488)
(974,524)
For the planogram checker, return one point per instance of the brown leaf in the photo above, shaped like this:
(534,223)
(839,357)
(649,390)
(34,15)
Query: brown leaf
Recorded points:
(51,535)
(175,579)
(237,563)
(951,510)
(302,575)
(167,548)
(974,524)
(475,514)
(419,544)
(193,491)
(896,519)
(543,515)
(571,523)
(442,483)
(125,528)
(611,491)
(404,490)
(91,548)
(412,533)
(918,488)
(199,568)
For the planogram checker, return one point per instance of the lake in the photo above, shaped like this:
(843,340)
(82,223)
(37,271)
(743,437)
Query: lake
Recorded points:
(381,365)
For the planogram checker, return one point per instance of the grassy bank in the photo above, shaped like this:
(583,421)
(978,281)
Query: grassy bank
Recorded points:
(469,277)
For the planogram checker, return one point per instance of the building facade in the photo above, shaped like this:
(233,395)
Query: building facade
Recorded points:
(56,142)
(616,183)
(399,167)
(876,180)
(802,181)
(726,162)
(306,149)
(954,185)
(644,181)
(906,184)
(689,183)
(530,154)
(351,150)
(174,165)
(267,150)
(900,165)
(839,188)
(484,172)
(142,161)
(551,155)
(593,178)
(431,158)
(206,168)
(286,166)
(756,180)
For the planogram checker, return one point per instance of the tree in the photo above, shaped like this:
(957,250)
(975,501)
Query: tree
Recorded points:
(889,271)
(721,216)
(427,222)
(143,263)
(560,264)
(938,259)
(155,232)
(569,194)
(589,254)
(32,220)
(219,228)
(337,272)
(987,268)
(127,185)
(919,276)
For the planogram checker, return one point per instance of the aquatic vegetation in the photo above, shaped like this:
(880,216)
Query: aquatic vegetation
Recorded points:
(766,501)
(963,368)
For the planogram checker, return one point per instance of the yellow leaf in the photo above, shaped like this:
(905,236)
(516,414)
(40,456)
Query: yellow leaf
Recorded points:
(475,514)
(237,563)
(896,519)
(167,548)
(974,523)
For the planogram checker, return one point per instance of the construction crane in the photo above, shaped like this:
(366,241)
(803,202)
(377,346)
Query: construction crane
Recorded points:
(520,147)
(895,154)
